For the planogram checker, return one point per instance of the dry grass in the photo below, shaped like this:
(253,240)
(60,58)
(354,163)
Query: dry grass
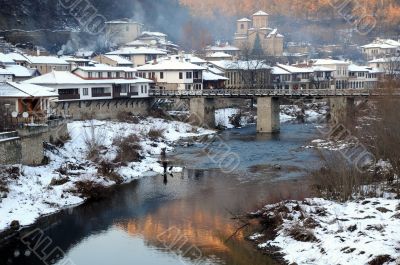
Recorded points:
(90,190)
(302,234)
(338,179)
(128,149)
(107,170)
(380,260)
(124,116)
(155,134)
(93,139)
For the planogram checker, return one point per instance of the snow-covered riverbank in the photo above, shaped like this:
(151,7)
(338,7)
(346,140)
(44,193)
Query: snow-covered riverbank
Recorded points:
(44,190)
(318,231)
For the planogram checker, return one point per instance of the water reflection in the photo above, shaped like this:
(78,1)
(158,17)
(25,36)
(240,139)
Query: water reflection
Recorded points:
(126,228)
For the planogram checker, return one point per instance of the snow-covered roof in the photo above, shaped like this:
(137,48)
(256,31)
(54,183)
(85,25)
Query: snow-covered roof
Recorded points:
(209,76)
(46,60)
(105,68)
(275,33)
(25,90)
(153,33)
(19,71)
(279,71)
(241,65)
(244,20)
(67,78)
(17,57)
(83,53)
(5,72)
(74,59)
(329,62)
(137,43)
(261,13)
(294,69)
(322,69)
(386,60)
(219,55)
(170,64)
(4,58)
(382,44)
(138,51)
(118,59)
(222,48)
(357,68)
(194,59)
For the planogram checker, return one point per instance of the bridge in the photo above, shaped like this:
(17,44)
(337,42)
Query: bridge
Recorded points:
(202,107)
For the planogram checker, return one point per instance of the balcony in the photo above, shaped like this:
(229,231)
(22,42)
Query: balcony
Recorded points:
(69,97)
(101,95)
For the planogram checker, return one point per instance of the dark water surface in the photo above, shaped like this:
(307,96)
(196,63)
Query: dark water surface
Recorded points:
(186,221)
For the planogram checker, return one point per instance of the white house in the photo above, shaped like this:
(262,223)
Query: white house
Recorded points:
(5,75)
(341,71)
(380,48)
(94,83)
(139,56)
(46,64)
(174,74)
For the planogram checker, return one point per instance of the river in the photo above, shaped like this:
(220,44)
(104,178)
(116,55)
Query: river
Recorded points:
(188,219)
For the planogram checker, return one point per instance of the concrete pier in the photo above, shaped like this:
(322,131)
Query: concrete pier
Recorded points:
(342,109)
(202,112)
(268,120)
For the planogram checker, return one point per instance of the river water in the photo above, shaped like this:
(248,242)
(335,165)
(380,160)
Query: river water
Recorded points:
(186,220)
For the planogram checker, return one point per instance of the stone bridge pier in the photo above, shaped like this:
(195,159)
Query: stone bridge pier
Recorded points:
(202,112)
(268,115)
(342,109)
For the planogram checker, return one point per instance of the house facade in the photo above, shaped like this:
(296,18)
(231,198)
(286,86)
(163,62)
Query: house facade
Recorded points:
(113,60)
(256,32)
(381,48)
(46,64)
(173,74)
(95,83)
(139,56)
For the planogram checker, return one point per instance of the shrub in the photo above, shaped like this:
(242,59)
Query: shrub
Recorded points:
(90,189)
(124,116)
(236,120)
(338,179)
(107,170)
(301,234)
(93,140)
(155,134)
(128,149)
(59,181)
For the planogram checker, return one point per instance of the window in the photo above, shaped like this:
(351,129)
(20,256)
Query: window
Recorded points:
(90,74)
(109,75)
(241,26)
(189,75)
(180,75)
(118,74)
(196,75)
(161,75)
(85,91)
(141,89)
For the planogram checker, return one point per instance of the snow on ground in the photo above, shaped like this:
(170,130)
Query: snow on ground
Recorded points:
(32,196)
(353,233)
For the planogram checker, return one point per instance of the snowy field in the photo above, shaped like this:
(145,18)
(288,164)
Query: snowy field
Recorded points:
(32,195)
(317,231)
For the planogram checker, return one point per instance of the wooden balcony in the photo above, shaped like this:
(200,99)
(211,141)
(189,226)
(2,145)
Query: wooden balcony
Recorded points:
(101,95)
(69,97)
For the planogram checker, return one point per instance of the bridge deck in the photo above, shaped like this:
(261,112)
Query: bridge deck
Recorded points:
(246,93)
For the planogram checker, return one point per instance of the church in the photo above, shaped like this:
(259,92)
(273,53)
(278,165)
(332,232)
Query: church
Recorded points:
(256,33)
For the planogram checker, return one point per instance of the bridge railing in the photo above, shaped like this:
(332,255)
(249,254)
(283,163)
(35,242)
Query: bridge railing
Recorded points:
(246,92)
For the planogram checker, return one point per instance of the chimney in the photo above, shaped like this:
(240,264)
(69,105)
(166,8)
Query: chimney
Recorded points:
(37,51)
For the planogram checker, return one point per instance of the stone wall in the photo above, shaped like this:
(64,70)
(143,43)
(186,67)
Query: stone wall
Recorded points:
(10,148)
(25,146)
(102,109)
